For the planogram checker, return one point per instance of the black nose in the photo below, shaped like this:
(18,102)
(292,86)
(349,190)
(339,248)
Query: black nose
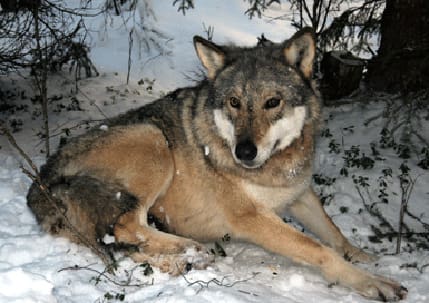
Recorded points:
(246,150)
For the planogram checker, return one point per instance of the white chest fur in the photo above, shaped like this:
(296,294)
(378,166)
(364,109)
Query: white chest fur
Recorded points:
(274,198)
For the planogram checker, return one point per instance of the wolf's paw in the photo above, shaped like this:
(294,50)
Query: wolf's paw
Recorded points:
(368,285)
(176,264)
(189,245)
(381,288)
(191,259)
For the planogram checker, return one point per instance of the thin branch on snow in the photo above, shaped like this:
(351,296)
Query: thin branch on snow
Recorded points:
(86,122)
(407,185)
(5,131)
(392,233)
(205,284)
(407,234)
(425,225)
(374,211)
(105,275)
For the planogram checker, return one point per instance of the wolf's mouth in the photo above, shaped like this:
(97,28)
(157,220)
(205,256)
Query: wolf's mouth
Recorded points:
(249,164)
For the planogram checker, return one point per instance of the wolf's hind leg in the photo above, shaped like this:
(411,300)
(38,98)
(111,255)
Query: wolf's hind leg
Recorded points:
(309,211)
(81,208)
(140,158)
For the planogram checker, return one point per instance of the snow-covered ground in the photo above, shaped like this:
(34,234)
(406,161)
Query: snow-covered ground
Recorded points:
(35,267)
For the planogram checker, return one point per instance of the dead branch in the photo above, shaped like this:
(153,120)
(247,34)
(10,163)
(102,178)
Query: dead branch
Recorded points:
(425,225)
(404,232)
(130,47)
(205,284)
(414,265)
(407,185)
(41,76)
(105,275)
(408,234)
(5,131)
(374,211)
(86,122)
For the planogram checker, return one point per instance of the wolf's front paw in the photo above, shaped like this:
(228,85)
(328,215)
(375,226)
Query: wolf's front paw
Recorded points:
(368,285)
(381,288)
(195,257)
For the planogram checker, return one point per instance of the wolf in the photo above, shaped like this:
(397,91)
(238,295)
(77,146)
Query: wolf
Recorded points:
(224,157)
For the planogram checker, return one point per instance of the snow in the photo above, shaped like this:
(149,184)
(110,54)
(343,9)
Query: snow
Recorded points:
(36,267)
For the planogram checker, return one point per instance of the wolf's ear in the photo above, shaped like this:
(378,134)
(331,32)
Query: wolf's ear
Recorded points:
(212,56)
(300,51)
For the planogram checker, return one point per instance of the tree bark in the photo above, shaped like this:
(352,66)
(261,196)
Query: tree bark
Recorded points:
(342,73)
(402,63)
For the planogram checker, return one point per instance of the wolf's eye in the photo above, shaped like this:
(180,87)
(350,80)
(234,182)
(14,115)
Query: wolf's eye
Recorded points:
(234,102)
(271,103)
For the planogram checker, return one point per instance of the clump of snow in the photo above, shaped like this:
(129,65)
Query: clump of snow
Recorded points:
(296,280)
(206,150)
(104,127)
(118,195)
(108,239)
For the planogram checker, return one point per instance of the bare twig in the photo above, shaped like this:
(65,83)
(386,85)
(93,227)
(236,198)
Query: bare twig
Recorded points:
(76,126)
(414,265)
(41,76)
(407,185)
(205,284)
(425,225)
(374,211)
(4,131)
(209,30)
(422,268)
(130,47)
(91,101)
(404,231)
(105,275)
(407,234)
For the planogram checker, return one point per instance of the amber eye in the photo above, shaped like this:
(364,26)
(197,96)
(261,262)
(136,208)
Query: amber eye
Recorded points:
(272,103)
(234,102)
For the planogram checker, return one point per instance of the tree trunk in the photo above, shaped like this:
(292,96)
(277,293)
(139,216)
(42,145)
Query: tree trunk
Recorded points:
(402,64)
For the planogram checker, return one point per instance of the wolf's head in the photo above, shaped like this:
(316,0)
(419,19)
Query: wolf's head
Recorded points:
(259,97)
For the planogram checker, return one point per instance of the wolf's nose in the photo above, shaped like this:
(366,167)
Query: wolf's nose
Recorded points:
(246,150)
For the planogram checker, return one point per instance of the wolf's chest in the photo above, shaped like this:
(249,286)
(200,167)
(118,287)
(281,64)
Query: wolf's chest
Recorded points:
(274,198)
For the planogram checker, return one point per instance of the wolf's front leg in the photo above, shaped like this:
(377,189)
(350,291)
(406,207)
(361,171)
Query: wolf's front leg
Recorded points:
(309,211)
(269,231)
